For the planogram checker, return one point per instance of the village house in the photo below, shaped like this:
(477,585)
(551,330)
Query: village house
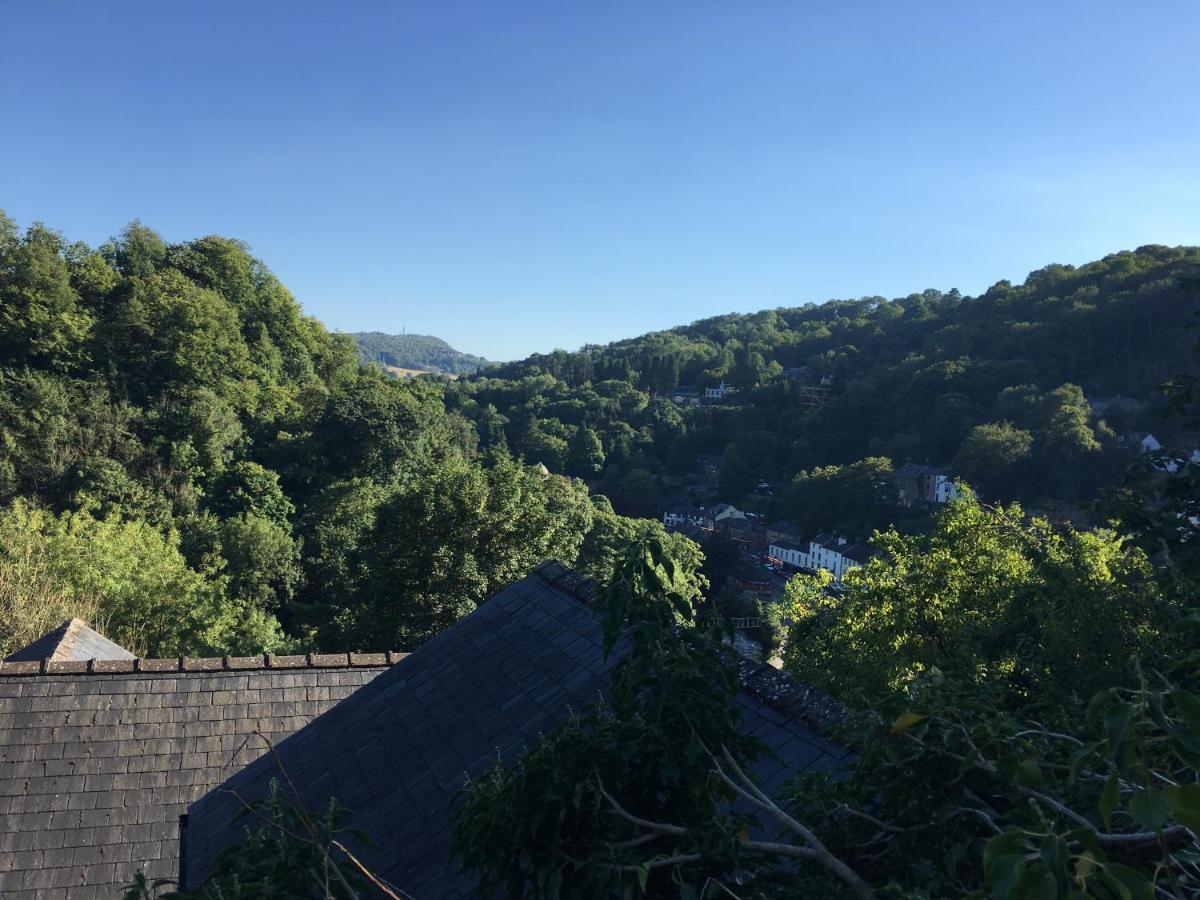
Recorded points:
(680,515)
(788,555)
(750,534)
(113,765)
(725,512)
(685,396)
(783,532)
(719,392)
(1142,442)
(694,532)
(834,554)
(929,485)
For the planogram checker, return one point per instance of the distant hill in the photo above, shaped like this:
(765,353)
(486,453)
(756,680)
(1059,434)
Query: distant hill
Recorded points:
(415,351)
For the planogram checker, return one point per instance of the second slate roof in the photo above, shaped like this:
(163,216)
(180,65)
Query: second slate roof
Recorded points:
(98,758)
(396,751)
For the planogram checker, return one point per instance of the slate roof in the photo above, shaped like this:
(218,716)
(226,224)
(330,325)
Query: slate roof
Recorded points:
(396,751)
(785,545)
(917,470)
(72,640)
(860,553)
(912,470)
(98,758)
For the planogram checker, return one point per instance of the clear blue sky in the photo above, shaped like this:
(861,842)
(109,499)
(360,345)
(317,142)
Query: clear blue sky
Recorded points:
(516,177)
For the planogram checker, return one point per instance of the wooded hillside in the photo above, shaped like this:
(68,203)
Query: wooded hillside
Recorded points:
(415,351)
(193,465)
(1000,386)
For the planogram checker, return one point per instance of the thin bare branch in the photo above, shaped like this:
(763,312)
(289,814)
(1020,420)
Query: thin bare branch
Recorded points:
(619,810)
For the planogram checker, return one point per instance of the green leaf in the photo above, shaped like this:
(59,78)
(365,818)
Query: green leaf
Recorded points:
(1109,798)
(1055,854)
(1184,802)
(1149,809)
(1117,719)
(1029,774)
(1034,882)
(1188,705)
(1012,841)
(1002,854)
(1133,881)
(643,872)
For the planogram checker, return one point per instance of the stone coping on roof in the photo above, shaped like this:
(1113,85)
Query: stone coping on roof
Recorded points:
(202,664)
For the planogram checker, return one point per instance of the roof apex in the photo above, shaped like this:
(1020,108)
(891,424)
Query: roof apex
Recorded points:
(73,640)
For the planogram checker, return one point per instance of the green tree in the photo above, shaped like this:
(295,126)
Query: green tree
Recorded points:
(449,535)
(586,455)
(612,536)
(856,498)
(735,478)
(151,601)
(570,818)
(992,459)
(987,595)
(42,320)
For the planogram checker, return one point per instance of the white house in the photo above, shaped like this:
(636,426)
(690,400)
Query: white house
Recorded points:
(924,484)
(789,555)
(718,392)
(836,555)
(1148,443)
(722,511)
(941,488)
(679,516)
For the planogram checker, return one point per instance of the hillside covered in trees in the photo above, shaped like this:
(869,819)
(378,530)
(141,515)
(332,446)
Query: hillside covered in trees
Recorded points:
(1007,388)
(415,351)
(193,465)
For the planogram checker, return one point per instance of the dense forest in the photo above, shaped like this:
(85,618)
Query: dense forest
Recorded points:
(415,351)
(193,465)
(997,387)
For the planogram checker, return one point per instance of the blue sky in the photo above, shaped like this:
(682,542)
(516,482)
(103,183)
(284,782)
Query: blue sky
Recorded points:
(516,177)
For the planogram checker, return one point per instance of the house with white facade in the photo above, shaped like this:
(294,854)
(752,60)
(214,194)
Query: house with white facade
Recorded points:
(1145,442)
(681,515)
(719,392)
(787,554)
(917,484)
(725,511)
(685,397)
(834,554)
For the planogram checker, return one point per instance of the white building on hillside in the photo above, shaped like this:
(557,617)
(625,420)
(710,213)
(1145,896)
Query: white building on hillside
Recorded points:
(718,392)
(788,555)
(836,555)
(722,511)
